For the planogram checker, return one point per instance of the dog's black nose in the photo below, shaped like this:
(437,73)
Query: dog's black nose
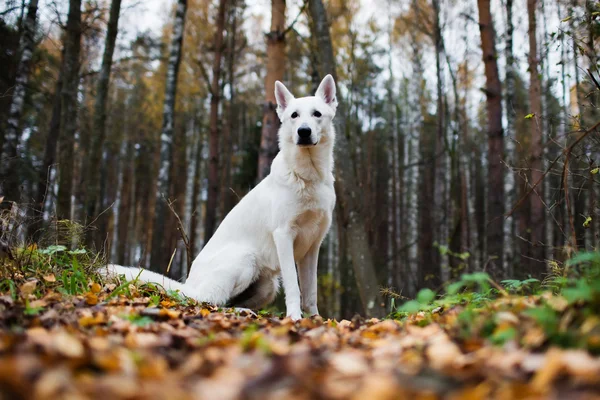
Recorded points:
(304,132)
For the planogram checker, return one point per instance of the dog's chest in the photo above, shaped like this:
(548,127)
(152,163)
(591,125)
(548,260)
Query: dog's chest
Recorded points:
(310,224)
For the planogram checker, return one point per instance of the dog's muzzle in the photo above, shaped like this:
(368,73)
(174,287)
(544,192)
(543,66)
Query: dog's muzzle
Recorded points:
(304,136)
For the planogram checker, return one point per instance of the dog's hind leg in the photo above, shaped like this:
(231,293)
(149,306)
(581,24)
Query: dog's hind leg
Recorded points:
(260,293)
(217,285)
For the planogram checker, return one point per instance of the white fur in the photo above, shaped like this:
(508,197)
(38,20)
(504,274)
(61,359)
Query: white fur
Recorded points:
(279,224)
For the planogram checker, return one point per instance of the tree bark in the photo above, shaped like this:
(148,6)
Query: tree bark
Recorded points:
(511,177)
(275,69)
(196,209)
(165,232)
(68,118)
(538,218)
(126,205)
(346,182)
(10,170)
(210,220)
(493,90)
(91,171)
(45,172)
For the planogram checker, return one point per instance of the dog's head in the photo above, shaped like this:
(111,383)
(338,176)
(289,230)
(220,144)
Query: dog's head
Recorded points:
(306,120)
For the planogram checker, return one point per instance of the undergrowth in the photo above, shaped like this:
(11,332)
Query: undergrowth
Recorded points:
(563,310)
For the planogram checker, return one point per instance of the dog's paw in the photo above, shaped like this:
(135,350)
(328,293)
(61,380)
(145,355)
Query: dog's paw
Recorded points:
(295,316)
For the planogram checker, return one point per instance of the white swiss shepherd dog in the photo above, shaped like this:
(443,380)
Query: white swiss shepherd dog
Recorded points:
(278,225)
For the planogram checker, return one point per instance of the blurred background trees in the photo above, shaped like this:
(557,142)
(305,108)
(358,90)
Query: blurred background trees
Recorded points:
(467,131)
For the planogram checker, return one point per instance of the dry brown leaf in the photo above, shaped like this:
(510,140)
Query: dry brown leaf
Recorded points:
(50,278)
(67,345)
(28,287)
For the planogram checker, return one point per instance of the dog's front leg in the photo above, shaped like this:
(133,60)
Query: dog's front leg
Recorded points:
(284,242)
(307,270)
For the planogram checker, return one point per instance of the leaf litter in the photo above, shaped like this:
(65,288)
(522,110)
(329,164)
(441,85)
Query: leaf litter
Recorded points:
(70,335)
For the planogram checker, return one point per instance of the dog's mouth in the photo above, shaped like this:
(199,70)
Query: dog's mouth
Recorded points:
(306,142)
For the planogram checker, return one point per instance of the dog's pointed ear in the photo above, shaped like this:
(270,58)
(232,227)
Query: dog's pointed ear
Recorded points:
(283,97)
(326,91)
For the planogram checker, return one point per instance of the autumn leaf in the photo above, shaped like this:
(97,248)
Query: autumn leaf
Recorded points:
(28,287)
(91,299)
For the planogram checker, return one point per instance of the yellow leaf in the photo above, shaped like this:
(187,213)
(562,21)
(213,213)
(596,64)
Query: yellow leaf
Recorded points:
(595,171)
(90,320)
(91,299)
(172,314)
(96,288)
(204,312)
(587,222)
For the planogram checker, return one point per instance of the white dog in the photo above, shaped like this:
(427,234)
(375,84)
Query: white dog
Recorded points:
(279,224)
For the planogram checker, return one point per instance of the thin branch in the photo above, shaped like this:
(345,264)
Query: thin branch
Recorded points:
(184,237)
(291,27)
(566,152)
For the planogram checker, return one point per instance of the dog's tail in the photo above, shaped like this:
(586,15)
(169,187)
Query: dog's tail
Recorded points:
(143,275)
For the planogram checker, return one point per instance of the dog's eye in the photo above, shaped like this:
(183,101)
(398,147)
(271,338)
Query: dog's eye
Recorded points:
(317,114)
(294,115)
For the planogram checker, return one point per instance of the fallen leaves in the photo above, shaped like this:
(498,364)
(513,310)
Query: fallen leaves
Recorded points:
(102,344)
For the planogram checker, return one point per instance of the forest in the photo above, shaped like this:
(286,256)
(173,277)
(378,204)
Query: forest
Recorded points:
(466,173)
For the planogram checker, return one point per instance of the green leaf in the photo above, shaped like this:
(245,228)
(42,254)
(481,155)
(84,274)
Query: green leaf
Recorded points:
(567,19)
(529,116)
(478,277)
(455,287)
(410,307)
(595,171)
(581,291)
(78,251)
(503,336)
(587,222)
(545,316)
(585,257)
(425,296)
(53,249)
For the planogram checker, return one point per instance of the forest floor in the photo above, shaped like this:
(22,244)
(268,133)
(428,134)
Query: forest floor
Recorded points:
(64,333)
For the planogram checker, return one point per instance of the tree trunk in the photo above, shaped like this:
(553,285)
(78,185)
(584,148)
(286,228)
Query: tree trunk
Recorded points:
(511,177)
(91,170)
(10,170)
(196,209)
(165,224)
(125,206)
(210,220)
(230,129)
(346,182)
(538,218)
(493,90)
(275,68)
(68,118)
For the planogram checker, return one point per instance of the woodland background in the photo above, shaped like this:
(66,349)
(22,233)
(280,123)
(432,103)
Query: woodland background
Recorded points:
(467,132)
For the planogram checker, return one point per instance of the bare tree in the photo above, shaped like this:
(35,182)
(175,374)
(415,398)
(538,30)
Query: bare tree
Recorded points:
(210,220)
(68,117)
(9,169)
(538,217)
(164,234)
(349,198)
(91,171)
(275,68)
(493,91)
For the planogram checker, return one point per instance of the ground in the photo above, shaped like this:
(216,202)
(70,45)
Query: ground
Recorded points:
(67,333)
